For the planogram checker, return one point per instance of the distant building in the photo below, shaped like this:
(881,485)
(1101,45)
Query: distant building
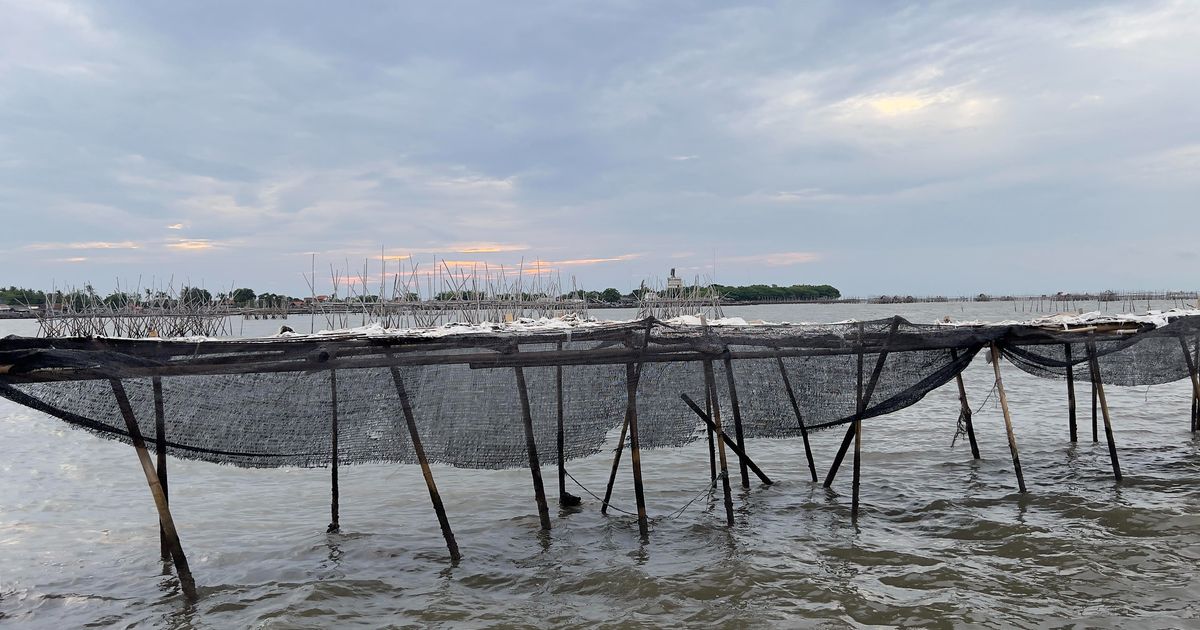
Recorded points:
(673,281)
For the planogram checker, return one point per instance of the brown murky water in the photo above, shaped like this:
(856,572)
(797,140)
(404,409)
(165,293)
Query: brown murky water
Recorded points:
(943,540)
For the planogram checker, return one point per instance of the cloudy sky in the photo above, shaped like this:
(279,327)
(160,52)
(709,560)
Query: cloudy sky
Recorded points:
(882,148)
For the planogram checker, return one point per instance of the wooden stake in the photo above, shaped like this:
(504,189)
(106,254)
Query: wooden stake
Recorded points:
(1108,434)
(1095,408)
(160,447)
(710,382)
(535,467)
(712,447)
(1192,365)
(635,451)
(612,476)
(419,450)
(334,525)
(707,420)
(787,385)
(1070,392)
(857,431)
(186,582)
(565,499)
(863,400)
(1008,428)
(737,420)
(965,409)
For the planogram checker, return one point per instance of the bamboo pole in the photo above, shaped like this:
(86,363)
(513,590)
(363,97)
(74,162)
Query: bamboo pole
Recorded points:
(859,405)
(1193,364)
(965,409)
(612,475)
(710,383)
(632,377)
(334,524)
(565,499)
(1008,428)
(1070,393)
(1095,410)
(160,448)
(865,398)
(186,582)
(707,420)
(535,467)
(787,385)
(737,420)
(1108,434)
(419,450)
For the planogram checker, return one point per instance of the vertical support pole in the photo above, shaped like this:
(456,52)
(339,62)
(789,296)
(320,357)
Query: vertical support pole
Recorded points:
(564,499)
(632,377)
(535,467)
(1192,365)
(1070,393)
(857,428)
(334,524)
(866,399)
(186,582)
(712,448)
(1095,408)
(710,383)
(787,385)
(1008,428)
(1108,434)
(737,420)
(965,409)
(160,447)
(419,450)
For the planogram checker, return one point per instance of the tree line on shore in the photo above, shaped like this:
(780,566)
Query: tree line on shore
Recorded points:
(244,297)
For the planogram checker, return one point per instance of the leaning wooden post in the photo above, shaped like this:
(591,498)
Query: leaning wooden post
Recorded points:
(707,420)
(710,383)
(635,451)
(160,448)
(535,466)
(612,476)
(866,399)
(1108,434)
(1008,428)
(787,385)
(965,409)
(1070,392)
(334,524)
(1192,366)
(737,419)
(419,450)
(186,582)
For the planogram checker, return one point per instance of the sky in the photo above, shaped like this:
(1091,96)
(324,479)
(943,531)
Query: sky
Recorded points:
(947,148)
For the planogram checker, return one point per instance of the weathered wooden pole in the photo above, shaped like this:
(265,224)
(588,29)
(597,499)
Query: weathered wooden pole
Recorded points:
(965,409)
(710,383)
(535,467)
(1193,364)
(612,475)
(712,447)
(1070,393)
(419,450)
(160,448)
(186,582)
(1008,428)
(737,420)
(1108,434)
(632,377)
(1095,411)
(334,524)
(707,420)
(787,385)
(866,399)
(565,499)
(857,429)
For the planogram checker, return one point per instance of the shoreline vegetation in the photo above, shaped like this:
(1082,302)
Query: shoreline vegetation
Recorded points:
(18,303)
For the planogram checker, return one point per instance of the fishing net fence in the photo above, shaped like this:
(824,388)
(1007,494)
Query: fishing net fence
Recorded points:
(270,402)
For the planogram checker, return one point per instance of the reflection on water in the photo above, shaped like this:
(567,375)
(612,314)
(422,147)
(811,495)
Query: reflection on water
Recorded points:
(942,539)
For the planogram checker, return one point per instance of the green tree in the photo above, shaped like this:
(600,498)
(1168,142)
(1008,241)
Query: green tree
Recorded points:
(610,295)
(243,296)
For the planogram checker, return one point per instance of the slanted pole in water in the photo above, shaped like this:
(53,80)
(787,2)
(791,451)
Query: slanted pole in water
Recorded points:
(865,401)
(1108,434)
(419,450)
(787,385)
(186,582)
(710,382)
(334,523)
(1193,364)
(737,420)
(1070,393)
(707,420)
(632,375)
(1008,428)
(965,409)
(160,447)
(612,475)
(535,466)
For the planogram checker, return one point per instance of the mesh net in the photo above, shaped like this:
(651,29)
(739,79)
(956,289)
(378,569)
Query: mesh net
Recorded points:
(270,402)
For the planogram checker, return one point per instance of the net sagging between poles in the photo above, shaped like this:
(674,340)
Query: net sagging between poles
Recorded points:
(268,402)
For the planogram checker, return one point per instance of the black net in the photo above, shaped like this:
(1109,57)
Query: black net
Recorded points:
(269,402)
